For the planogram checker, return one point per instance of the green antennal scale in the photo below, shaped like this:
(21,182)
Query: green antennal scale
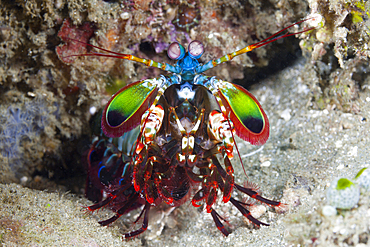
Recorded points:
(250,120)
(124,110)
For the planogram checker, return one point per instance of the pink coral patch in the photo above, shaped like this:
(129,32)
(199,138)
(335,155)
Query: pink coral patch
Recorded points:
(67,32)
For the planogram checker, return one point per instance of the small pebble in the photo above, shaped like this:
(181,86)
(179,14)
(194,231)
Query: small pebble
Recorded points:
(353,151)
(286,114)
(125,15)
(338,144)
(24,180)
(328,211)
(266,164)
(92,110)
(257,210)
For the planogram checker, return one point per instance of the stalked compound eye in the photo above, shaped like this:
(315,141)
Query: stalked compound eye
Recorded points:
(195,49)
(176,51)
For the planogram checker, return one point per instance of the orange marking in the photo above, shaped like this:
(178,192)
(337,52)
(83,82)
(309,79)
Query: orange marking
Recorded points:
(194,203)
(213,15)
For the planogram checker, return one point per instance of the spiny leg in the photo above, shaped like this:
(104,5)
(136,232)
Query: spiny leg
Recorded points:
(109,199)
(250,192)
(120,211)
(144,226)
(253,194)
(246,212)
(216,218)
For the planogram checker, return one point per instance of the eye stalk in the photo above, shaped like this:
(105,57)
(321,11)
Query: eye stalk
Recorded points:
(176,51)
(195,49)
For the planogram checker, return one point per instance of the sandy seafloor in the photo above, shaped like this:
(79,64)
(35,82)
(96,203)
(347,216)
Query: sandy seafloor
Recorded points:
(306,150)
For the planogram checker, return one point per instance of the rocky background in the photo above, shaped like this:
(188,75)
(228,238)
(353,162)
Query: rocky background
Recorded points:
(314,88)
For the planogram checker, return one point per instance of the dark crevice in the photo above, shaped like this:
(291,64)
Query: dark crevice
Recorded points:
(281,56)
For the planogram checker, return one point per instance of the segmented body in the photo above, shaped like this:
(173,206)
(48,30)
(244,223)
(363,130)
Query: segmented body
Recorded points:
(173,159)
(184,120)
